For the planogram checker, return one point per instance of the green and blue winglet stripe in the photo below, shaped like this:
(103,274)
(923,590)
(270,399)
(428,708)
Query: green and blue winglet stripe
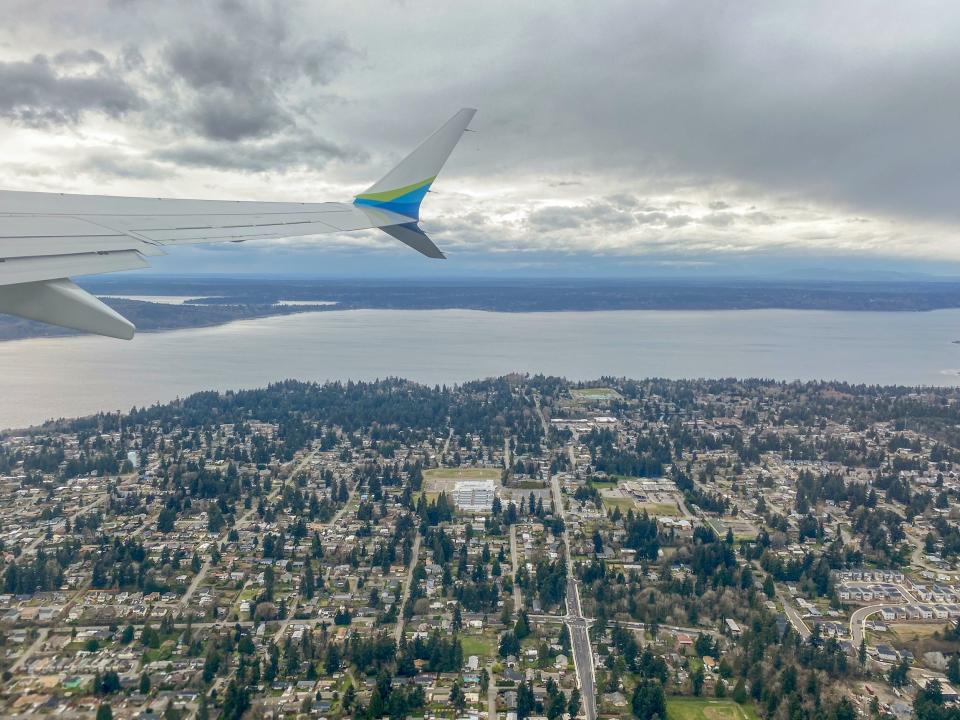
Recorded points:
(404,200)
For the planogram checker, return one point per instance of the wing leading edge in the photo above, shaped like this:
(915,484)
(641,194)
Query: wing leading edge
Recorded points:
(46,238)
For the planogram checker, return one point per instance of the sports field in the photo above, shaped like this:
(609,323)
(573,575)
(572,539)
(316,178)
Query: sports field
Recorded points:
(690,708)
(468,473)
(602,484)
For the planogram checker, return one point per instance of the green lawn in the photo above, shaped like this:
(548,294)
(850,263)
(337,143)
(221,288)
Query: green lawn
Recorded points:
(602,484)
(164,652)
(624,503)
(480,645)
(690,708)
(463,473)
(660,509)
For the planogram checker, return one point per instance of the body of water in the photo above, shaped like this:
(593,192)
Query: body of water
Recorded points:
(65,377)
(160,299)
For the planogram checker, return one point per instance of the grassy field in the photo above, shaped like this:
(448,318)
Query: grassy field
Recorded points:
(689,708)
(660,509)
(468,473)
(531,485)
(599,393)
(603,484)
(915,631)
(624,503)
(481,645)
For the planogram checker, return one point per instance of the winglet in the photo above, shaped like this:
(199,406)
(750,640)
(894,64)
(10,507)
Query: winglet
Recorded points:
(410,234)
(402,189)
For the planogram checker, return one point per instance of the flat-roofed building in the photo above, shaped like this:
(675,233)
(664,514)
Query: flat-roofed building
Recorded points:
(474,495)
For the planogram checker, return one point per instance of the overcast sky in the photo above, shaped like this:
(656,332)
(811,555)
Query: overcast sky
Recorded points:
(612,137)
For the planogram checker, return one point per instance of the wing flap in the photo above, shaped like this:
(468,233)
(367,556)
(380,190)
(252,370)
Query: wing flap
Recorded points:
(34,236)
(187,236)
(49,267)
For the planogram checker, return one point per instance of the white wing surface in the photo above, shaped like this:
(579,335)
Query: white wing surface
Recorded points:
(46,238)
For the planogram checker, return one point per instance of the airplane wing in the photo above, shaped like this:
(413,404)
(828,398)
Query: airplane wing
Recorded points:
(46,238)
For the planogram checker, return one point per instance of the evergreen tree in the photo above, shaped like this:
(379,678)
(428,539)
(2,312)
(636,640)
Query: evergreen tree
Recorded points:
(953,669)
(308,586)
(648,700)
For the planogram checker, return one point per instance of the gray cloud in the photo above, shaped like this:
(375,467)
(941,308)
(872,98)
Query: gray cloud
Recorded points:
(80,57)
(37,94)
(599,213)
(235,70)
(842,104)
(283,153)
(222,115)
(104,163)
(719,219)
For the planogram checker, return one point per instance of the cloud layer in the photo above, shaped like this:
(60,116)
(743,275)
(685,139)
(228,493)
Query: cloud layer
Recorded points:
(685,133)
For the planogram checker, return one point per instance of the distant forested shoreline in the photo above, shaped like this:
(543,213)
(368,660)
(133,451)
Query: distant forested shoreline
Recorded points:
(220,300)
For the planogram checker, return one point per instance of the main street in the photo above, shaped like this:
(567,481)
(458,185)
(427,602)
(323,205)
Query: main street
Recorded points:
(576,623)
(582,652)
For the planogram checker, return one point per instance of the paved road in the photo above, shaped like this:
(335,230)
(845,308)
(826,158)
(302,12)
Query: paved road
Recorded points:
(291,612)
(517,593)
(683,508)
(491,696)
(28,653)
(576,623)
(446,447)
(401,621)
(642,627)
(918,557)
(558,508)
(859,618)
(543,420)
(794,617)
(194,584)
(140,622)
(582,653)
